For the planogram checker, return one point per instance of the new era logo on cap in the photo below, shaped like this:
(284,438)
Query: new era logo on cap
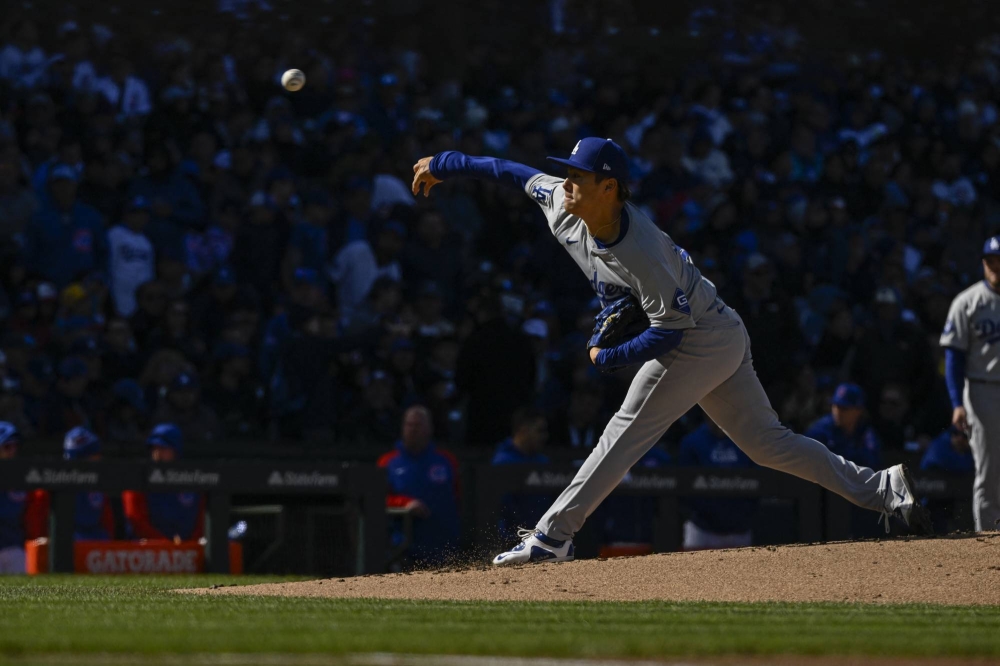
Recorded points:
(607,168)
(994,242)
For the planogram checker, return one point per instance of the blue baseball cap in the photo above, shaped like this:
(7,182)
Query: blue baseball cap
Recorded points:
(129,392)
(597,155)
(63,172)
(305,275)
(80,443)
(991,248)
(138,202)
(9,434)
(184,382)
(849,395)
(166,435)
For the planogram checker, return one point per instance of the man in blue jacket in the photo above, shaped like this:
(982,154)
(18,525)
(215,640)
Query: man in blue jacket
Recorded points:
(65,237)
(424,480)
(716,523)
(530,433)
(845,431)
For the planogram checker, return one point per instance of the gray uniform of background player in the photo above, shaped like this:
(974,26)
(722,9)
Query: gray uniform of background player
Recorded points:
(973,327)
(711,367)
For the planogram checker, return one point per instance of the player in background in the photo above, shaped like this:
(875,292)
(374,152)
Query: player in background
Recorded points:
(93,519)
(716,522)
(971,339)
(423,479)
(845,430)
(174,516)
(696,350)
(13,509)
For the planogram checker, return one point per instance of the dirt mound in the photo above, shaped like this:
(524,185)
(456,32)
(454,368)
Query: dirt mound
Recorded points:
(956,571)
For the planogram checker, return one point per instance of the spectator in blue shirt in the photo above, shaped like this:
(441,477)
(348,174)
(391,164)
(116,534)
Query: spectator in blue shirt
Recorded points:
(65,237)
(530,431)
(949,453)
(716,523)
(424,480)
(845,430)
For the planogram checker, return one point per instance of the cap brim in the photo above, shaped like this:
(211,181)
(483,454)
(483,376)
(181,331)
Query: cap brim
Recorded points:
(570,163)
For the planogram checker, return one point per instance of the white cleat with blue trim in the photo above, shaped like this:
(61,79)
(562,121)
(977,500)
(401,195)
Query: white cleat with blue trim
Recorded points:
(536,547)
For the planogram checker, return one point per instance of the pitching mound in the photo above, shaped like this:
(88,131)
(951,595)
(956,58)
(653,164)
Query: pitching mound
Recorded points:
(954,571)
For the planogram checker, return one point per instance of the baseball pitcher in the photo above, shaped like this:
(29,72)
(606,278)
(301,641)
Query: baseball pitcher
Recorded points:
(694,350)
(971,339)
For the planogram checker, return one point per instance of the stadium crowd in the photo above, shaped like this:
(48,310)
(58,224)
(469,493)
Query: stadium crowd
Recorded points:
(182,241)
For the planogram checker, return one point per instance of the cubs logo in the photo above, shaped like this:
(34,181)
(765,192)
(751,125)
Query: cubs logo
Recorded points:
(438,473)
(95,500)
(83,241)
(187,499)
(17,496)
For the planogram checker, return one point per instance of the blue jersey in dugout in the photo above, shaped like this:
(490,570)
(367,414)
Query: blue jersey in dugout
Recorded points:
(12,506)
(431,477)
(175,513)
(862,448)
(519,510)
(704,448)
(91,516)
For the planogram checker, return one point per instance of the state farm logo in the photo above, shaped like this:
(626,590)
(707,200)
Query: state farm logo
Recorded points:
(303,479)
(548,480)
(142,561)
(60,476)
(649,482)
(726,483)
(930,486)
(194,477)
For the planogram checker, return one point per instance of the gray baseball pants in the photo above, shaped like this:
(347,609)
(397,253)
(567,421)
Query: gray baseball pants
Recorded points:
(982,403)
(711,367)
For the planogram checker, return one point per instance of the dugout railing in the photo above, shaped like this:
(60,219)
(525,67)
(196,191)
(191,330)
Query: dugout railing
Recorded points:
(363,487)
(820,514)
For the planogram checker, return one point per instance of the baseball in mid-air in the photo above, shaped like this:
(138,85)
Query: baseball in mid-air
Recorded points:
(293,80)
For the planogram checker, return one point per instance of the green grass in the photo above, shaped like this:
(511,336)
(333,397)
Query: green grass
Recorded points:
(90,615)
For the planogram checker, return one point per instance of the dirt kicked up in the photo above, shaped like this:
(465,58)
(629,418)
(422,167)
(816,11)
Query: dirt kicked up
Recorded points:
(953,571)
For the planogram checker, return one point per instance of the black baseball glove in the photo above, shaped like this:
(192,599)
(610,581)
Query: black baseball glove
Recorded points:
(617,323)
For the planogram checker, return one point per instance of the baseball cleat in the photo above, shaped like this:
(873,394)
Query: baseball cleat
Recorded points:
(901,500)
(536,547)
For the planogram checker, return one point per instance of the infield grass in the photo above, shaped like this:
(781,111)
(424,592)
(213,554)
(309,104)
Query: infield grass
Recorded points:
(84,615)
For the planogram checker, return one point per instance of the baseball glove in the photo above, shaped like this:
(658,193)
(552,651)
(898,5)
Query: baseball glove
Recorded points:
(617,323)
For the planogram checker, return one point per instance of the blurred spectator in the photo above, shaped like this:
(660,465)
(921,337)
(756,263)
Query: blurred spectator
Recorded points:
(175,516)
(495,371)
(126,418)
(715,523)
(182,406)
(13,506)
(71,404)
(948,453)
(94,519)
(65,237)
(131,256)
(529,434)
(770,319)
(845,430)
(424,480)
(234,392)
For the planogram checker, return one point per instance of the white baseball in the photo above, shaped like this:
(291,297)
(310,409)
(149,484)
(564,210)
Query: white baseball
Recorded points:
(293,80)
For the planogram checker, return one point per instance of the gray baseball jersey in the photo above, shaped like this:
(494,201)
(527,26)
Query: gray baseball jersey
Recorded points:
(712,367)
(973,327)
(646,262)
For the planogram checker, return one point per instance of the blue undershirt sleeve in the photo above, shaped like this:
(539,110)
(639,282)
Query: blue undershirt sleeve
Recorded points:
(954,374)
(452,163)
(651,343)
